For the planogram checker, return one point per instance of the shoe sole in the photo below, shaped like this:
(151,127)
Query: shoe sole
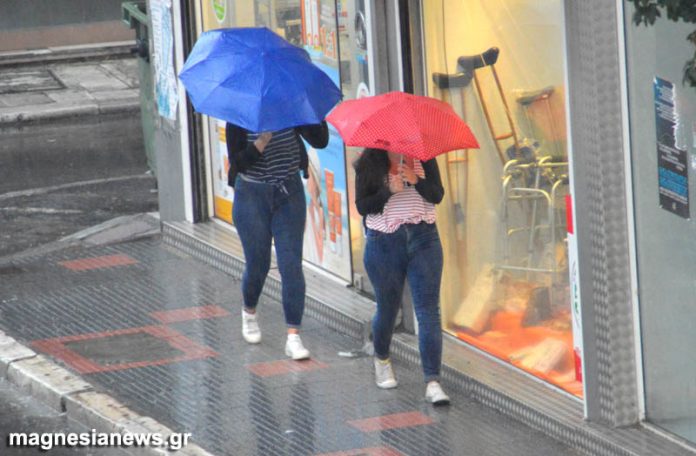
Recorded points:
(387,386)
(299,358)
(439,403)
(253,341)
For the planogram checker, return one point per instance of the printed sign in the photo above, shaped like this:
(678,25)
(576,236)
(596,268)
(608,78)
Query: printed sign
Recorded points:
(672,163)
(220,9)
(163,55)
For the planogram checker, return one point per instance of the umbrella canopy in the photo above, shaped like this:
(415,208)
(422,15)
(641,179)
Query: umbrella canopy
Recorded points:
(413,125)
(255,79)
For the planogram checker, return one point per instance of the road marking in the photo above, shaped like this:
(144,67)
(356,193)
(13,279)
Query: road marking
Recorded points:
(53,188)
(41,210)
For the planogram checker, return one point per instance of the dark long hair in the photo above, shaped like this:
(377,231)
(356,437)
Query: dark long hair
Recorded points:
(372,167)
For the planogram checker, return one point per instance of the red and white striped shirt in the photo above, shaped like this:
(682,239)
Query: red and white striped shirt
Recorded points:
(403,207)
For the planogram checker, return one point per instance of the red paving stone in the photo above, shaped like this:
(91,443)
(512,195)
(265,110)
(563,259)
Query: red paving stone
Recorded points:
(374,451)
(56,348)
(189,313)
(106,261)
(282,367)
(394,421)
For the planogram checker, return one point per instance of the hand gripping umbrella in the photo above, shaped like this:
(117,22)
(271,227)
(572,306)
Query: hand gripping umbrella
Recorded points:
(255,79)
(413,125)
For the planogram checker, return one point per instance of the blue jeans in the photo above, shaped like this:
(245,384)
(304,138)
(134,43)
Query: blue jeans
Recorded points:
(412,252)
(264,213)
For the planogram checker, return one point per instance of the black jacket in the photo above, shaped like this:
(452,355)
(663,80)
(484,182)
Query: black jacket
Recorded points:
(371,187)
(242,154)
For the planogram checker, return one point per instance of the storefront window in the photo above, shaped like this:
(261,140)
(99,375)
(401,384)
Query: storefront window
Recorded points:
(500,64)
(315,26)
(356,63)
(663,154)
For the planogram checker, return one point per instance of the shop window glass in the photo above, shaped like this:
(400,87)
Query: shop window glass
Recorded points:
(500,64)
(662,116)
(356,66)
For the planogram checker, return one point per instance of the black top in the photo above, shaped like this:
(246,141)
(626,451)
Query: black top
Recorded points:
(371,182)
(243,154)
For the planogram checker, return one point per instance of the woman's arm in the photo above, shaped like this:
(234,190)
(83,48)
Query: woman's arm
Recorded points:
(316,135)
(370,198)
(431,188)
(239,151)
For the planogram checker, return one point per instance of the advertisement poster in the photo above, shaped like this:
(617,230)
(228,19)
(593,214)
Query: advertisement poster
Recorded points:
(673,178)
(223,193)
(163,55)
(326,242)
(327,239)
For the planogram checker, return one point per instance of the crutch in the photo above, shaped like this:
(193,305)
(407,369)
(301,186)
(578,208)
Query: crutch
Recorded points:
(456,163)
(446,83)
(469,64)
(527,100)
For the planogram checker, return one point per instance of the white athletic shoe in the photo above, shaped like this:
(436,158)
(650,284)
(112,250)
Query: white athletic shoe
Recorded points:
(384,374)
(294,348)
(435,395)
(250,328)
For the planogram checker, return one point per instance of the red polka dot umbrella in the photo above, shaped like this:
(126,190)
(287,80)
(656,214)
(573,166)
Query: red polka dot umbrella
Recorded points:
(413,125)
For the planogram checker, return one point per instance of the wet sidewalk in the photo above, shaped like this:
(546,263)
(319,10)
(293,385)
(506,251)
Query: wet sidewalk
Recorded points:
(160,332)
(67,82)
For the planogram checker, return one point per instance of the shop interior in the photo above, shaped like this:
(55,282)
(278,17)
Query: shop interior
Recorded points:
(500,64)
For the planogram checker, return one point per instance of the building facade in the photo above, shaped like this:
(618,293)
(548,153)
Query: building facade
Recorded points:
(566,235)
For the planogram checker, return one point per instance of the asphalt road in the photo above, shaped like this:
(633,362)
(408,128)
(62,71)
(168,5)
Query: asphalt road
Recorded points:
(59,178)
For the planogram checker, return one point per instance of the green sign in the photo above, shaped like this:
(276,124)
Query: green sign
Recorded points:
(220,8)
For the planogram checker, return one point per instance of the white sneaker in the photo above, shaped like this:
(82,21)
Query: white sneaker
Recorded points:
(384,374)
(294,348)
(435,395)
(250,328)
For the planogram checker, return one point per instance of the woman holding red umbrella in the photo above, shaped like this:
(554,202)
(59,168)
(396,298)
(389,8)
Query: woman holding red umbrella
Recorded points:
(397,197)
(396,192)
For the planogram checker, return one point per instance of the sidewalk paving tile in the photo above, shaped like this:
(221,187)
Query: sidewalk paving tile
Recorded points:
(87,76)
(126,70)
(14,100)
(304,408)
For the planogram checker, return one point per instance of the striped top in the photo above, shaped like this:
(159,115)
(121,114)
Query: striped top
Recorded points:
(404,207)
(279,160)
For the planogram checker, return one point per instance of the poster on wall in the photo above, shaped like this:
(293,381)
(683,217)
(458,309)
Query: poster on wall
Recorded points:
(163,54)
(223,194)
(327,240)
(673,178)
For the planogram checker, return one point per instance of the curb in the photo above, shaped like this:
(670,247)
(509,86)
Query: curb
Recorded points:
(68,393)
(66,54)
(58,111)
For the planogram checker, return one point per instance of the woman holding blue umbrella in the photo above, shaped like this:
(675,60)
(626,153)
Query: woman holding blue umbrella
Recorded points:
(270,205)
(272,96)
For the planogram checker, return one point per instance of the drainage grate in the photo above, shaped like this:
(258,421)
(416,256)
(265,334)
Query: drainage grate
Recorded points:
(124,349)
(29,81)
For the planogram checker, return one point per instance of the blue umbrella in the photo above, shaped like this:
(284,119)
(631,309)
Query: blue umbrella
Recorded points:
(255,79)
